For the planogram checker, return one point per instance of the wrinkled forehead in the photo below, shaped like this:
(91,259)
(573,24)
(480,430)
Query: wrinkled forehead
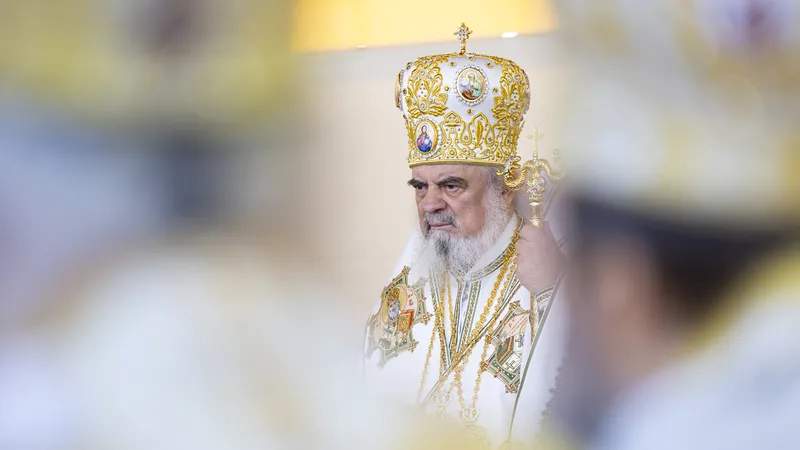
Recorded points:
(432,173)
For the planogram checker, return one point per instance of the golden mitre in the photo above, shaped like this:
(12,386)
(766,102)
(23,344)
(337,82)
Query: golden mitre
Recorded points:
(463,107)
(686,109)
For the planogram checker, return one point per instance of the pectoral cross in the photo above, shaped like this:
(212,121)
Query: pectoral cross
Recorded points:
(462,34)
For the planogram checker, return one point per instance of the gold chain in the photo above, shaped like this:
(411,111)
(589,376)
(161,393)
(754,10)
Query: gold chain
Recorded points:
(473,338)
(508,260)
(430,351)
(482,365)
(464,355)
(440,330)
(453,330)
(438,326)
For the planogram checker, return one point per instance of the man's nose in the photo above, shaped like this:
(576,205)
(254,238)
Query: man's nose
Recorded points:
(433,201)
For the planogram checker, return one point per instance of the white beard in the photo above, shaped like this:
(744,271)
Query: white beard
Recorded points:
(440,249)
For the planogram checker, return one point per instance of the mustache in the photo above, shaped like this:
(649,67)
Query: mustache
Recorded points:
(449,219)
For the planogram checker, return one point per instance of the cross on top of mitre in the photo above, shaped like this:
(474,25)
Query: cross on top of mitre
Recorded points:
(462,33)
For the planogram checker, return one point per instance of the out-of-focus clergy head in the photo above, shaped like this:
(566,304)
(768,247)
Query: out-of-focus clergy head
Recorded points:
(684,160)
(118,116)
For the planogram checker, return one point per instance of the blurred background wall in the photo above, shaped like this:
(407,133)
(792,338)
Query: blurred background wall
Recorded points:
(323,25)
(363,209)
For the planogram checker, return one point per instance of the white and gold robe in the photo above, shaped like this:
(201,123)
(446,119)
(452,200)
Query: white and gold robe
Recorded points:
(399,333)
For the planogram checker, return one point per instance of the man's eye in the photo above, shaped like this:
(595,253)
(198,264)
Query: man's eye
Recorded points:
(452,187)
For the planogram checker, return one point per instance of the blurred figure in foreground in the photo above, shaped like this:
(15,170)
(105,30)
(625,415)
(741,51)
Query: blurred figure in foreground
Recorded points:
(685,163)
(161,293)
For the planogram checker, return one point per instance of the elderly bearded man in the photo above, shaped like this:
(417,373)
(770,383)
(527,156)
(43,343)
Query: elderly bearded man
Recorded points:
(454,328)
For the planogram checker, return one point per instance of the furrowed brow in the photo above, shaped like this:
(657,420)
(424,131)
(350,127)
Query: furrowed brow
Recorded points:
(458,181)
(417,184)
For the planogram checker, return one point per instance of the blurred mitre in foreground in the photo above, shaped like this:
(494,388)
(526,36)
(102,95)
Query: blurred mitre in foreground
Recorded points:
(684,117)
(686,110)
